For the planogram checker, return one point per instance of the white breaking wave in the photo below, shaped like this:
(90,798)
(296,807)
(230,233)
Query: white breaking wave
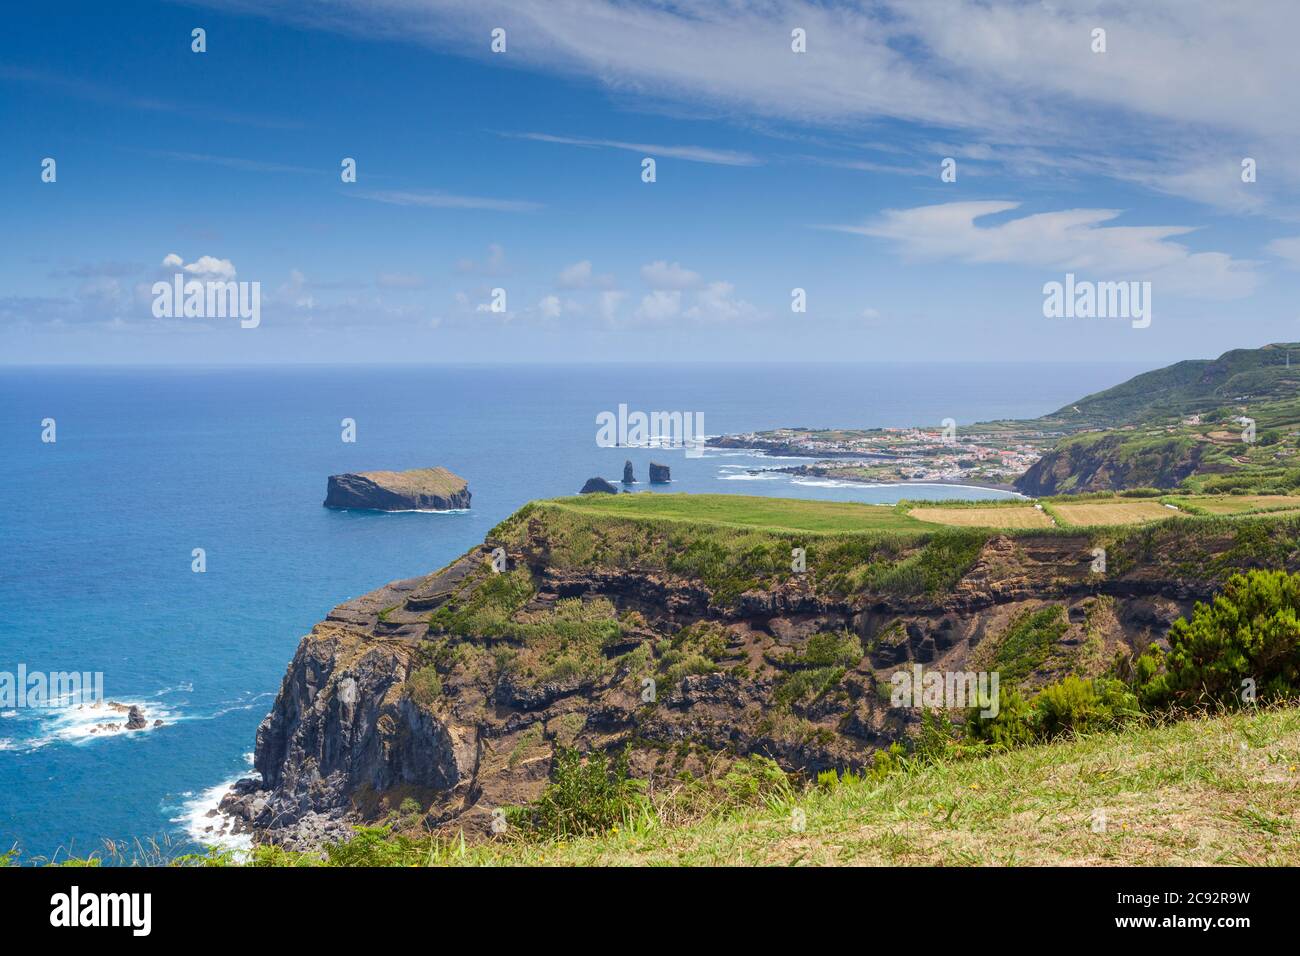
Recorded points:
(81,723)
(206,825)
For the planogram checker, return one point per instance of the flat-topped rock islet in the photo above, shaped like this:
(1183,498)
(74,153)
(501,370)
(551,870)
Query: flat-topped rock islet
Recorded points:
(419,489)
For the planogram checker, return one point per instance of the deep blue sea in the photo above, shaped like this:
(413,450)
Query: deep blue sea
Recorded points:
(97,530)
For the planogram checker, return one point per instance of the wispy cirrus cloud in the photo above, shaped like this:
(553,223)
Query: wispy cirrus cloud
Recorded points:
(98,91)
(1287,249)
(1019,74)
(237,162)
(690,154)
(1081,239)
(442,200)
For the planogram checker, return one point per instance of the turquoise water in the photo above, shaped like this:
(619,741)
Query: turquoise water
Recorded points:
(98,530)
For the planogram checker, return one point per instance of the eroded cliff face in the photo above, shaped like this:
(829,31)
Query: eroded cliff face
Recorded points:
(454,690)
(1108,464)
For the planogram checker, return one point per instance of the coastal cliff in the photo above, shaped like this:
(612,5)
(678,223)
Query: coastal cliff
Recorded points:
(420,489)
(689,646)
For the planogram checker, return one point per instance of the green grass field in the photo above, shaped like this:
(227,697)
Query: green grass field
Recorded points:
(831,517)
(744,511)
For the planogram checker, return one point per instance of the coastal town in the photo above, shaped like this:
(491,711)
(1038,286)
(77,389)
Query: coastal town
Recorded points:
(989,454)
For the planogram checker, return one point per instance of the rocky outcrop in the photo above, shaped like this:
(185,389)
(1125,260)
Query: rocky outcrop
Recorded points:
(1112,462)
(135,719)
(420,489)
(629,476)
(342,727)
(680,674)
(598,486)
(659,474)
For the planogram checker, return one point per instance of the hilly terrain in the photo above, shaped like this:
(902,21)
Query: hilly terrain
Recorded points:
(1224,425)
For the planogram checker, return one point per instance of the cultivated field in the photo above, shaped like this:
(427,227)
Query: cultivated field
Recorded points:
(1236,504)
(830,517)
(1021,516)
(1120,511)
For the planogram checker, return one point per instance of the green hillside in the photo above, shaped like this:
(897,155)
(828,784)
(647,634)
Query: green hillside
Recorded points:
(1196,386)
(1182,427)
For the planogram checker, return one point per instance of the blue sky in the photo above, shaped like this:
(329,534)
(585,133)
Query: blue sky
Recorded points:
(522,171)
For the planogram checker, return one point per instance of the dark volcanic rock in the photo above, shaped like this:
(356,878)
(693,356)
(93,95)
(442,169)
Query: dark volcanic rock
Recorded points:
(135,719)
(598,485)
(659,474)
(420,489)
(629,478)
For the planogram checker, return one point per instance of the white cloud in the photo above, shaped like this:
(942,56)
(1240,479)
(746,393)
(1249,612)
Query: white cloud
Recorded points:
(207,267)
(692,154)
(550,306)
(663,275)
(608,304)
(440,200)
(581,275)
(1287,249)
(1066,239)
(494,263)
(659,306)
(1184,84)
(717,303)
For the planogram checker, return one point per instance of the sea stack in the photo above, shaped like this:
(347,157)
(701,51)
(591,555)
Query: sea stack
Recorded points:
(598,486)
(659,474)
(420,489)
(629,477)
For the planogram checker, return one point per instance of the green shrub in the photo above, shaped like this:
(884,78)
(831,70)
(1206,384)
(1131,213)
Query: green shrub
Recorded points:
(1250,631)
(754,781)
(1015,725)
(807,684)
(424,686)
(1075,705)
(1071,705)
(1028,642)
(584,797)
(842,649)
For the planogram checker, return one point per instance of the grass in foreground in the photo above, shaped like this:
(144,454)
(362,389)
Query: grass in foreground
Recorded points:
(1214,790)
(1206,791)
